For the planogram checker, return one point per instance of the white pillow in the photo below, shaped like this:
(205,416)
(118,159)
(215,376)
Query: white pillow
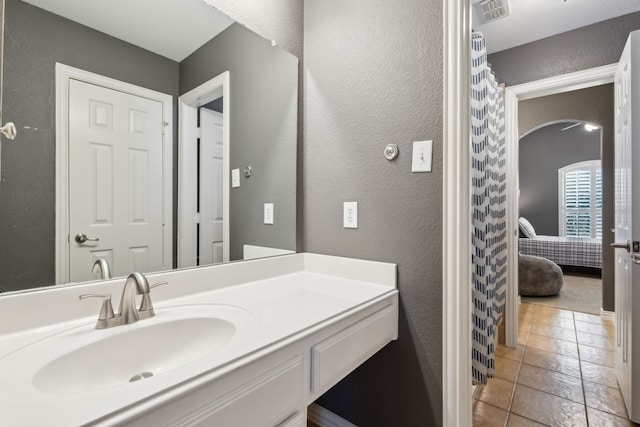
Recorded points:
(526,228)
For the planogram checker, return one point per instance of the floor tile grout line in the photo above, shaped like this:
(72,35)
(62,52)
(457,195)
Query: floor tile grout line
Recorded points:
(584,393)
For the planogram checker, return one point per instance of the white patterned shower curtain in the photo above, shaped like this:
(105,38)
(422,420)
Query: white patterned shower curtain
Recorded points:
(488,205)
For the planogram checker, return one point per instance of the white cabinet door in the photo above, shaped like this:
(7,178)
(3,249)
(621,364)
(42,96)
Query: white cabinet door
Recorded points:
(115,181)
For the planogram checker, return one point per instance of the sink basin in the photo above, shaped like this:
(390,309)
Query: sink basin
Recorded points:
(85,359)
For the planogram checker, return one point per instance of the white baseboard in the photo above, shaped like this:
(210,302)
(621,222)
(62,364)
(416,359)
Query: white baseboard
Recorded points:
(325,418)
(610,315)
(475,391)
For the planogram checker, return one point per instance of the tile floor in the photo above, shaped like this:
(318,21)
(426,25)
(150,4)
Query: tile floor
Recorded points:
(559,375)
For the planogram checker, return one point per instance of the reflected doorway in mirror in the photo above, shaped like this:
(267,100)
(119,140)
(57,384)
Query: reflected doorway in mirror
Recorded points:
(114,176)
(191,218)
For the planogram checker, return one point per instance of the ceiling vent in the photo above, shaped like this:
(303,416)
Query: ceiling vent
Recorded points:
(486,11)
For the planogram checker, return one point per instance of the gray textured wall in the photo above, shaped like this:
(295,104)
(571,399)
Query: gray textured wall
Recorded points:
(34,41)
(581,49)
(373,76)
(590,105)
(542,153)
(264,84)
(278,20)
(281,21)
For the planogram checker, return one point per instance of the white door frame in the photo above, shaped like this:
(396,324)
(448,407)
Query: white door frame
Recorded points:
(513,95)
(188,158)
(64,74)
(456,219)
(457,379)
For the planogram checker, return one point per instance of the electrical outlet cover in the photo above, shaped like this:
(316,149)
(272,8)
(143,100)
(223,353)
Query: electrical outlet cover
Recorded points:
(350,214)
(268,213)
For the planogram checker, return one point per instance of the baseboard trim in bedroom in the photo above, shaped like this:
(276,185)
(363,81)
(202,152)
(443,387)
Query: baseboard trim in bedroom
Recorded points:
(610,315)
(325,418)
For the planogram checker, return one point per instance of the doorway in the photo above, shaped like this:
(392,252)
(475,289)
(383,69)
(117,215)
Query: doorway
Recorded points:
(191,220)
(457,395)
(210,187)
(561,197)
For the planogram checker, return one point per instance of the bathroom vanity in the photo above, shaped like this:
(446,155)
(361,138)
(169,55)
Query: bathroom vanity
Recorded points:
(239,344)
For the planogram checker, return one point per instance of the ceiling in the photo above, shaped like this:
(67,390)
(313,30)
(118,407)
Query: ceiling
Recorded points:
(532,20)
(171,28)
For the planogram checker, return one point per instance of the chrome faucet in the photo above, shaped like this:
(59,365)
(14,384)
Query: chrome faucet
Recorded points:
(128,313)
(101,267)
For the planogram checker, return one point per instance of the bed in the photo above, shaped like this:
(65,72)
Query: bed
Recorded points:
(567,251)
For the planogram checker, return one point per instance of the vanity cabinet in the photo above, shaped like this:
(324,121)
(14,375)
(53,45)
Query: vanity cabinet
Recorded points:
(338,355)
(275,389)
(271,337)
(263,393)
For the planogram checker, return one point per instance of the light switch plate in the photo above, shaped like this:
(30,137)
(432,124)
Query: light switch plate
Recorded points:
(235,178)
(421,160)
(268,213)
(350,214)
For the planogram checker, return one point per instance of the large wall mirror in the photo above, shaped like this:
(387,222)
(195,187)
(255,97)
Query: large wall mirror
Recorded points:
(153,135)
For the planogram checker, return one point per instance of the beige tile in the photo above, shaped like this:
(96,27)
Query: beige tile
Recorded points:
(606,399)
(523,334)
(597,355)
(561,322)
(546,408)
(602,419)
(552,382)
(510,353)
(591,318)
(592,328)
(555,312)
(552,361)
(524,315)
(599,374)
(518,421)
(524,321)
(507,369)
(553,332)
(552,345)
(485,415)
(497,392)
(599,341)
(526,309)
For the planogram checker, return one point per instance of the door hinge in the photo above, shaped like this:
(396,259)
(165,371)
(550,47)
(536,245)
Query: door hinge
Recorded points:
(164,127)
(197,217)
(198,132)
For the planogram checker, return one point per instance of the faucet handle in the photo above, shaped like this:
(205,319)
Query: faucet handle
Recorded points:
(146,307)
(106,316)
(164,282)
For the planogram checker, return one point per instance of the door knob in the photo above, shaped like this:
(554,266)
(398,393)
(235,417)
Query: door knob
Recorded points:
(81,238)
(9,130)
(626,246)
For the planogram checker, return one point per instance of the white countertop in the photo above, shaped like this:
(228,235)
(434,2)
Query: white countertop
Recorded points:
(312,291)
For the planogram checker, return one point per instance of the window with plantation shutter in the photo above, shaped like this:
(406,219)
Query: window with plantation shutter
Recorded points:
(580,199)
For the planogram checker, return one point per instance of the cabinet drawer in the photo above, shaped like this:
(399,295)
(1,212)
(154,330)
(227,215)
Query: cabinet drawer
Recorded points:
(333,358)
(298,420)
(264,400)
